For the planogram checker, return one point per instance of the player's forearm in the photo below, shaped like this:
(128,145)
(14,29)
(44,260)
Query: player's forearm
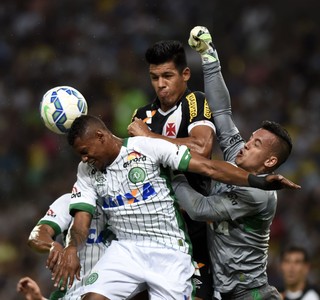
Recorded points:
(216,91)
(77,237)
(40,239)
(79,230)
(194,203)
(227,173)
(39,246)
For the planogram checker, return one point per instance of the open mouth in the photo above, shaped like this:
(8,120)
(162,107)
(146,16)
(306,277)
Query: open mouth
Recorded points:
(241,152)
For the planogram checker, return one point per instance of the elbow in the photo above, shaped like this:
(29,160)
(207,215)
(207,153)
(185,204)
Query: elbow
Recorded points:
(196,216)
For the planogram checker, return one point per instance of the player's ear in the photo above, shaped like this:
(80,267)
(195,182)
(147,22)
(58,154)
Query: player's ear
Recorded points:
(100,135)
(186,74)
(271,162)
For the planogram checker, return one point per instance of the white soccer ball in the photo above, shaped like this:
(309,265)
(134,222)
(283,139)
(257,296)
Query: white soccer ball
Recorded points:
(60,106)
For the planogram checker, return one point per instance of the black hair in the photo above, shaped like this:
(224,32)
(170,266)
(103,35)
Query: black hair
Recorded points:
(165,51)
(81,125)
(294,248)
(285,142)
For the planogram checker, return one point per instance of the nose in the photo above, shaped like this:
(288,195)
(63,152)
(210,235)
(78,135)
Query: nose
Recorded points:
(161,82)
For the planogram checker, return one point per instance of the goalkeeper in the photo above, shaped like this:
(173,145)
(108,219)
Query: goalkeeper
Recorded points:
(239,218)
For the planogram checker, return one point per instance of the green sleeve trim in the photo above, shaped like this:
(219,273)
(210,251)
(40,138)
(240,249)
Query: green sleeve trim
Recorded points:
(53,225)
(125,142)
(185,160)
(81,207)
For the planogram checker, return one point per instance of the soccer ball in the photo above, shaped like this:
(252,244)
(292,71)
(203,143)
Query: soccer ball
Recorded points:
(60,106)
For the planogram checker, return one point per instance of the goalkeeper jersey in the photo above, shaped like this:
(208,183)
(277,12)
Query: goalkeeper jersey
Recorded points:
(137,194)
(241,216)
(59,219)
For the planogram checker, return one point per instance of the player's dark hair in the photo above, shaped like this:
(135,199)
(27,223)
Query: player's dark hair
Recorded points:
(166,51)
(293,249)
(80,127)
(285,142)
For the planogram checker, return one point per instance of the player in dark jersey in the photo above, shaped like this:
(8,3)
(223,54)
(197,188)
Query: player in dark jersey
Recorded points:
(183,117)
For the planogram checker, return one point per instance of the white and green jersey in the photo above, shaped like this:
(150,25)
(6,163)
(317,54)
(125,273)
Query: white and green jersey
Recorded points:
(59,219)
(137,194)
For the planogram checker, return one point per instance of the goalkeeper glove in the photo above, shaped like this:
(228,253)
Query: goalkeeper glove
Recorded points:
(200,40)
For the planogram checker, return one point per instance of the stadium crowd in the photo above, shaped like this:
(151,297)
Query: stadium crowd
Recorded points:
(271,64)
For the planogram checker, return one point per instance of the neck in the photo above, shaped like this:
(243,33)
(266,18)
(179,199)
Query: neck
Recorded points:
(299,286)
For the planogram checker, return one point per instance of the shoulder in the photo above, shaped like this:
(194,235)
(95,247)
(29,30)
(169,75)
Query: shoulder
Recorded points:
(198,94)
(194,97)
(311,294)
(62,202)
(85,170)
(144,143)
(196,103)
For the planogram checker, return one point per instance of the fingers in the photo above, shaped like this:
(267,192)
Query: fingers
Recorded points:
(67,268)
(289,184)
(282,181)
(53,259)
(138,128)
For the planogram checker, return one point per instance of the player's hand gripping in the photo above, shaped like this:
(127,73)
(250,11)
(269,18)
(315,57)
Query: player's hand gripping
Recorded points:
(55,251)
(271,182)
(282,182)
(138,128)
(67,268)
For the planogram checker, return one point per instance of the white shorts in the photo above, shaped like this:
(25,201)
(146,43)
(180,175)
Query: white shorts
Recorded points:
(126,266)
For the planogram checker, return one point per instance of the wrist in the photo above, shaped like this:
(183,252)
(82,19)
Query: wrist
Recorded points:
(260,182)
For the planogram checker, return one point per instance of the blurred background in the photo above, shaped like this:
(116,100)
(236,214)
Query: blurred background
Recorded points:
(270,54)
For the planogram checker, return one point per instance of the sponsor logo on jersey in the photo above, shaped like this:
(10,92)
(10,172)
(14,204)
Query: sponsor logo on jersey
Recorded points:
(171,129)
(134,157)
(192,101)
(75,193)
(136,195)
(235,139)
(206,110)
(51,213)
(92,278)
(94,237)
(197,267)
(233,198)
(136,175)
(150,114)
